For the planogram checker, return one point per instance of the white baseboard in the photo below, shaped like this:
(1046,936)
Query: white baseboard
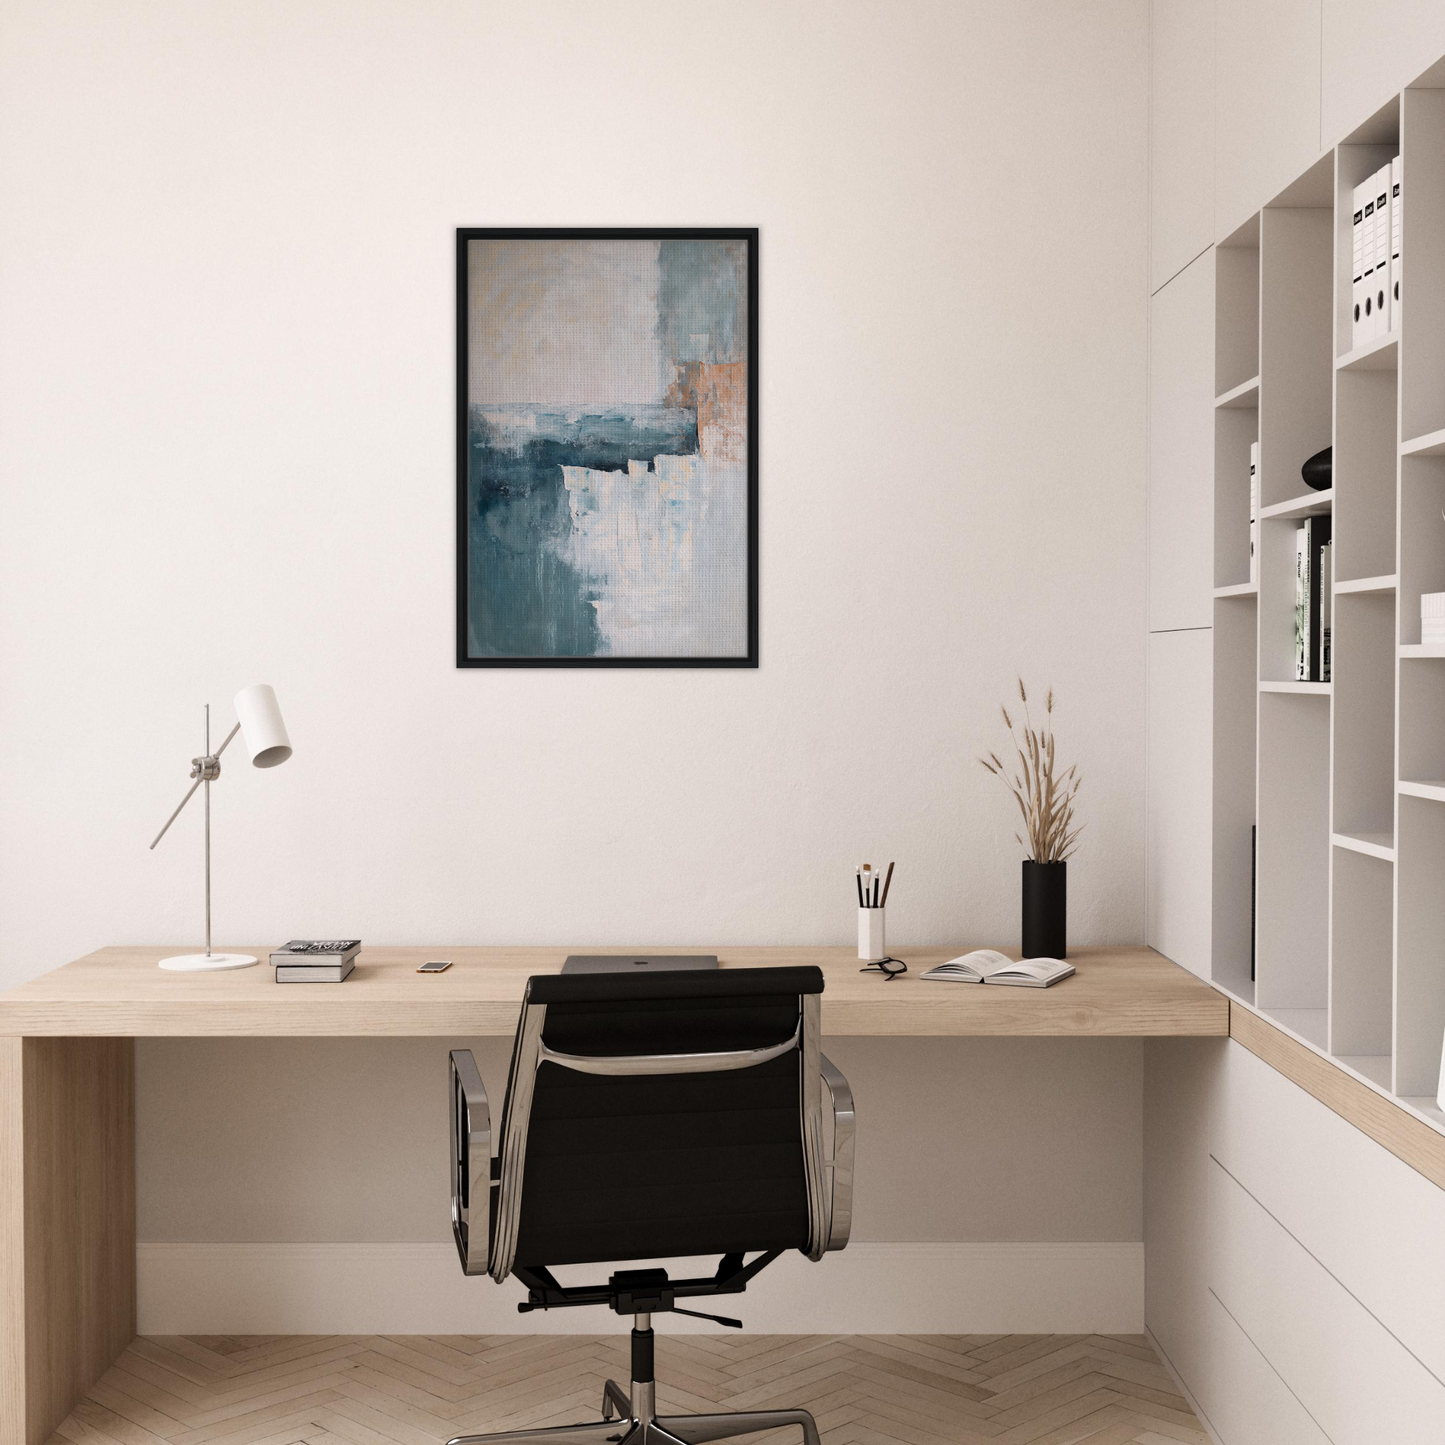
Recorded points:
(306,1289)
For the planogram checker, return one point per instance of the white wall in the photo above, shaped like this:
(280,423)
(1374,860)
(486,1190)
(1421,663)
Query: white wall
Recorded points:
(1013,1140)
(226,364)
(226,357)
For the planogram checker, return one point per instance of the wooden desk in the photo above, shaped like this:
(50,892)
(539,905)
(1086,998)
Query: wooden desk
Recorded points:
(67,1091)
(119,992)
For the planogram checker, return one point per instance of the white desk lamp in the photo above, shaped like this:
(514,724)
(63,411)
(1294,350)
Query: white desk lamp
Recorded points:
(258,720)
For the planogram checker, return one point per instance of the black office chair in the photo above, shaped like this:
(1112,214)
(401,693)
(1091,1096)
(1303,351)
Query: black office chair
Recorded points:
(650,1117)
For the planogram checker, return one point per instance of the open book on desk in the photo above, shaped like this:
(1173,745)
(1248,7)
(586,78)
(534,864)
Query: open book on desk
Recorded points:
(987,965)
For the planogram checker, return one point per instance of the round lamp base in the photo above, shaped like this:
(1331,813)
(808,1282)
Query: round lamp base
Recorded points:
(207,962)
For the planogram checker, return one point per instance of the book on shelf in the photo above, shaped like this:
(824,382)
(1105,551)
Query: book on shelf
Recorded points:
(1326,607)
(314,972)
(1301,606)
(1311,538)
(1254,513)
(988,965)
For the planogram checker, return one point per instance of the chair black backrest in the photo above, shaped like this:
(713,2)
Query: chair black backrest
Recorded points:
(649,1166)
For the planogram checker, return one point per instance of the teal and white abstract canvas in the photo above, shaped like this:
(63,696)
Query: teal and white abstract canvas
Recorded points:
(607,452)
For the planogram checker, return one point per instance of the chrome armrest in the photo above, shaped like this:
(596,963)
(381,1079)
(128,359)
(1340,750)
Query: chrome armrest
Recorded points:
(840,1166)
(471,1126)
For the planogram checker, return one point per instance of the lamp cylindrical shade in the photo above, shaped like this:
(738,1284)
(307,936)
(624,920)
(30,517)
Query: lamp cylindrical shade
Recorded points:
(262,730)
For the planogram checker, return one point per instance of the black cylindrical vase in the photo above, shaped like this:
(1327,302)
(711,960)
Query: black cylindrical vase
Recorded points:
(1046,909)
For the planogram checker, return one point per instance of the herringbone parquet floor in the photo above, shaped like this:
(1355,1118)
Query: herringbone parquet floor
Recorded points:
(421,1389)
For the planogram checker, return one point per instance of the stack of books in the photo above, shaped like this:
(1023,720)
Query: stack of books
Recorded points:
(315,960)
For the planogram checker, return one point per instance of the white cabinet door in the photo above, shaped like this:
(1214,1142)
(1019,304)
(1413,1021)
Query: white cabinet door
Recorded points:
(1246,1401)
(1181,134)
(1358,1382)
(1181,450)
(1181,1082)
(1178,901)
(1371,1220)
(1370,52)
(1266,102)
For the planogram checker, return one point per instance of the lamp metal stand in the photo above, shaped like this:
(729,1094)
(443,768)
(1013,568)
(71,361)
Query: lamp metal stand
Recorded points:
(205,770)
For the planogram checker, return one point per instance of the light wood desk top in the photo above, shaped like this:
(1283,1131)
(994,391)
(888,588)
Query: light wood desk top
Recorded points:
(119,992)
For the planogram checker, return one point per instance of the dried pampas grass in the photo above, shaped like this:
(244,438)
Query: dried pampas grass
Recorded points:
(1046,801)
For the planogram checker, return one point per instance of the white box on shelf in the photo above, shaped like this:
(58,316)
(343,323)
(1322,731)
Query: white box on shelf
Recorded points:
(1432,617)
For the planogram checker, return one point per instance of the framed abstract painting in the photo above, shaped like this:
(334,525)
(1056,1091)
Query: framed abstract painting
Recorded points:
(607,448)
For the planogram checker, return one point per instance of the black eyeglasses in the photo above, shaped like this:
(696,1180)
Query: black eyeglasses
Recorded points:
(890,968)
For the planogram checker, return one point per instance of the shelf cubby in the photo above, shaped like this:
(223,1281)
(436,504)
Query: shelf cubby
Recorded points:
(1422,720)
(1364,703)
(1296,368)
(1365,459)
(1236,313)
(1277,603)
(1294,852)
(1235,429)
(1422,253)
(1362,902)
(1236,707)
(1422,537)
(1420,962)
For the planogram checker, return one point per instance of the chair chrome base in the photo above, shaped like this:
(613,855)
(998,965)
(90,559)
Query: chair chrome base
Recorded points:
(639,1426)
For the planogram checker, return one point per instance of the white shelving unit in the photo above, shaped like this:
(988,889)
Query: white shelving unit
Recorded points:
(1344,781)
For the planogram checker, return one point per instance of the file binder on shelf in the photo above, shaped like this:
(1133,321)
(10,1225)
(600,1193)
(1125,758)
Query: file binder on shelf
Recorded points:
(1357,268)
(1382,253)
(1396,225)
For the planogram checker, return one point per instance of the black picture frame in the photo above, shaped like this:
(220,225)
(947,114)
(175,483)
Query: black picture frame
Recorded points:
(466,234)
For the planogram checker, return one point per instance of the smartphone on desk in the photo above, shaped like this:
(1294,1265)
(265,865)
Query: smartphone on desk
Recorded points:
(435,965)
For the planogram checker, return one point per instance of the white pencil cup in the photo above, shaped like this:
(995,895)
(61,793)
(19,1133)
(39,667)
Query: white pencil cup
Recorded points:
(870,934)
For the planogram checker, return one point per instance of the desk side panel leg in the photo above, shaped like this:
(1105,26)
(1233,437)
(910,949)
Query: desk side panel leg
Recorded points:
(67,1206)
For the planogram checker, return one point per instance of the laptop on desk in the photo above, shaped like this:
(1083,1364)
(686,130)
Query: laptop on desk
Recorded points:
(637,962)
